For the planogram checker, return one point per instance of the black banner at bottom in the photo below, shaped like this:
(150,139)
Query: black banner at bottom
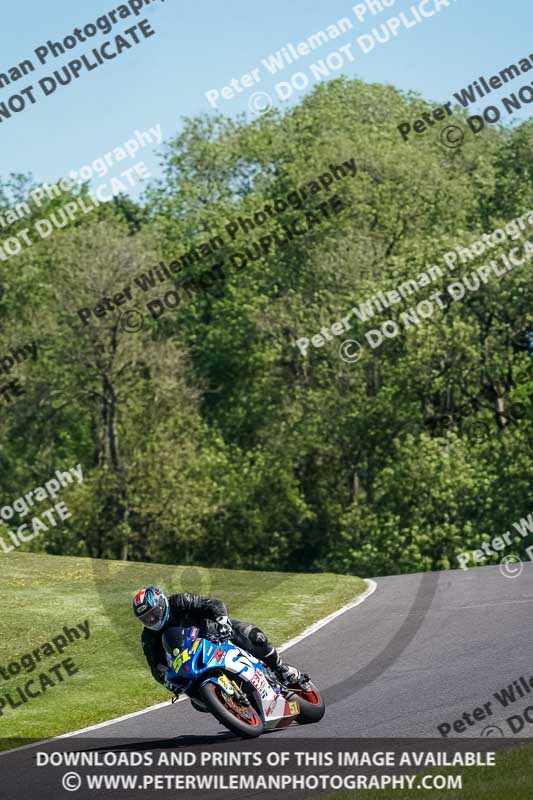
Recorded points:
(224,766)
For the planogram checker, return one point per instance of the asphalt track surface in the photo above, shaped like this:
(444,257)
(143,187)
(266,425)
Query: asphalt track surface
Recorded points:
(420,651)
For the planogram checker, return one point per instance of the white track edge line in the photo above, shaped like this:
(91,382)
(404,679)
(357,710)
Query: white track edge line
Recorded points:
(316,626)
(371,588)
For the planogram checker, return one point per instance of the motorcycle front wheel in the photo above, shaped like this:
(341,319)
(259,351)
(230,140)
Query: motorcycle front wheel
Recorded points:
(243,720)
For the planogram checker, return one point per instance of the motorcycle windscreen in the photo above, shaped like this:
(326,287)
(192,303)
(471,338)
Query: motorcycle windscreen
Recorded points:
(174,640)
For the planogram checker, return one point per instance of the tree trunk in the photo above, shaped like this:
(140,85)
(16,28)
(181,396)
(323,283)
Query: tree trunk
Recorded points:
(109,413)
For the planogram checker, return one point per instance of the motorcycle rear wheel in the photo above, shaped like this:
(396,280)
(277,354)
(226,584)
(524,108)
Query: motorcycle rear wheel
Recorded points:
(312,706)
(241,720)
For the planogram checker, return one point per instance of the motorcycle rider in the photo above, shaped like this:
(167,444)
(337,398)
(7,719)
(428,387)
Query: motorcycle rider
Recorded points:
(157,612)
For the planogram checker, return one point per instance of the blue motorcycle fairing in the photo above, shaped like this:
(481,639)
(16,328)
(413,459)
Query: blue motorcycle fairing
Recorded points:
(193,657)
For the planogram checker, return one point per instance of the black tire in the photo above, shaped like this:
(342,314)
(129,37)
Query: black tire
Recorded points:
(312,709)
(212,696)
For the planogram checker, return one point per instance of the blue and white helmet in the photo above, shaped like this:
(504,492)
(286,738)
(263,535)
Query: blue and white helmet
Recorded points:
(151,607)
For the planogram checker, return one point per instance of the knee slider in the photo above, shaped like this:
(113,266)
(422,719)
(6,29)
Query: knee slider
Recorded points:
(258,637)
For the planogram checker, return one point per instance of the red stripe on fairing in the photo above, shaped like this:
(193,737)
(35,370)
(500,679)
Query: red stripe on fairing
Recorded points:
(139,597)
(287,717)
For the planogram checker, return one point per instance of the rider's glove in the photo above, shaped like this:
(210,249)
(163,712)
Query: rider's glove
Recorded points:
(225,631)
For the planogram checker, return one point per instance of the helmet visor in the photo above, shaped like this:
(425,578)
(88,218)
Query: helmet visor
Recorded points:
(154,616)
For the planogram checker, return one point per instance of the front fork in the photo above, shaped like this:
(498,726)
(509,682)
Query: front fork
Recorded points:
(228,686)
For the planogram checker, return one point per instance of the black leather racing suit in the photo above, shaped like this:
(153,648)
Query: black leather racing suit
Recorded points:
(192,609)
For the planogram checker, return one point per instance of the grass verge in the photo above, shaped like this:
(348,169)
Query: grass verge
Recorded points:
(44,593)
(510,779)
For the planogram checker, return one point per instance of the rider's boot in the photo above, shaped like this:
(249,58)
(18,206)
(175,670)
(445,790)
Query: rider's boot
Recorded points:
(284,672)
(287,674)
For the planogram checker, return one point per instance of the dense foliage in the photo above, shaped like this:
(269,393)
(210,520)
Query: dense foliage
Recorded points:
(207,437)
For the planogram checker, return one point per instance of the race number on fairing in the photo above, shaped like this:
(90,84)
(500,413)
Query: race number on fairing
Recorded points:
(242,665)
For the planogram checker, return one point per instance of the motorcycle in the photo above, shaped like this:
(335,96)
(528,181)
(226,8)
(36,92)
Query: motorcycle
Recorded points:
(242,693)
